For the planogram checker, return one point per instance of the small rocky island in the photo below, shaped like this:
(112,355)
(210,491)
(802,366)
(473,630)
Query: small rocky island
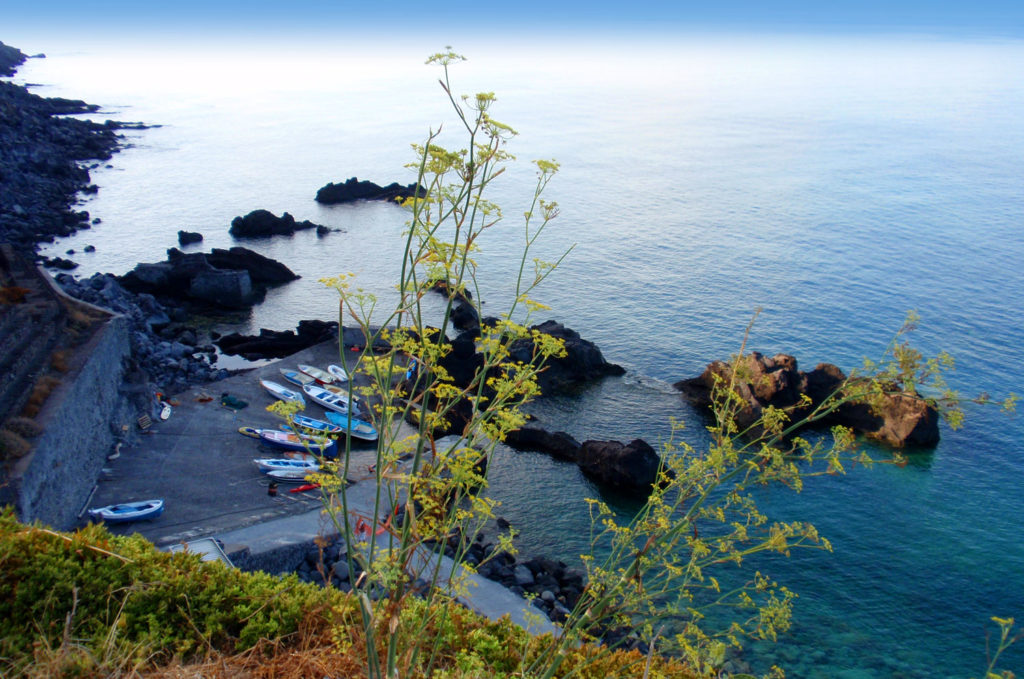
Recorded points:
(353,189)
(898,419)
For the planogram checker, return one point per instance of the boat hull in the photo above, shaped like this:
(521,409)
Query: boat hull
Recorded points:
(129,511)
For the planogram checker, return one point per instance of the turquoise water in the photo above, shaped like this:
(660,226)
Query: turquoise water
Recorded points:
(836,183)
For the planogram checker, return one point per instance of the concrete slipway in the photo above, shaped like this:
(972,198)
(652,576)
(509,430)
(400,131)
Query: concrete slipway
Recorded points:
(203,469)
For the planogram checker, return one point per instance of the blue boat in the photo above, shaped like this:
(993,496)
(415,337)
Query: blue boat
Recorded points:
(316,427)
(129,511)
(358,428)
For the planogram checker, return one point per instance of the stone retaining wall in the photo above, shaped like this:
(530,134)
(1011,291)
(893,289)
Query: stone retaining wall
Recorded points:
(81,420)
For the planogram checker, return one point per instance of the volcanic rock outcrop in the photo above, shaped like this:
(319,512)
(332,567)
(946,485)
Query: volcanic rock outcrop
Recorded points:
(895,417)
(234,278)
(353,190)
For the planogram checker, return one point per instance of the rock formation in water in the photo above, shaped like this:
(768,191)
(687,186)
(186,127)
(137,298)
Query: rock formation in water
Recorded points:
(234,278)
(898,418)
(353,190)
(263,224)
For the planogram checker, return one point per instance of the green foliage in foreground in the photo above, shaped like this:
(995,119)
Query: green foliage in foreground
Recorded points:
(91,583)
(94,604)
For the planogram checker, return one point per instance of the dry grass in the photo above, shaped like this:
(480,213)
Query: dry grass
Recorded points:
(24,427)
(12,446)
(44,386)
(59,360)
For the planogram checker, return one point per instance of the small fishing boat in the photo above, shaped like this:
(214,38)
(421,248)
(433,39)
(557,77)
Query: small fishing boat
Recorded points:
(329,399)
(289,475)
(339,373)
(311,425)
(267,465)
(129,511)
(296,377)
(358,428)
(321,376)
(292,441)
(281,392)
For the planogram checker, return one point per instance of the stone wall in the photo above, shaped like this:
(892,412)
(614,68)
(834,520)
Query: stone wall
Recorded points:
(81,419)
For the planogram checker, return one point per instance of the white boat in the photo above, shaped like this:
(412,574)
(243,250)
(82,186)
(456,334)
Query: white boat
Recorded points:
(296,442)
(339,373)
(329,399)
(321,376)
(267,465)
(289,475)
(358,428)
(296,377)
(129,511)
(281,392)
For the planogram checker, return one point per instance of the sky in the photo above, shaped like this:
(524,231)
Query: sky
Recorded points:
(543,19)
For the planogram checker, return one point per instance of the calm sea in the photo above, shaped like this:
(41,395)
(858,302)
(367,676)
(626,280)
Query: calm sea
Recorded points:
(837,183)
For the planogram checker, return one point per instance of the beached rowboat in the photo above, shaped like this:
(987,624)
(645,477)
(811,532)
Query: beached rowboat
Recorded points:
(289,475)
(339,373)
(358,428)
(329,399)
(129,511)
(321,376)
(281,392)
(267,465)
(296,377)
(292,441)
(311,425)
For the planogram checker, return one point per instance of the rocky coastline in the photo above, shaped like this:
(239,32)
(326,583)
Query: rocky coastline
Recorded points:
(44,166)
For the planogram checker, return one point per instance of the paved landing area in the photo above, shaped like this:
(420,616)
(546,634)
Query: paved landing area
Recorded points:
(203,469)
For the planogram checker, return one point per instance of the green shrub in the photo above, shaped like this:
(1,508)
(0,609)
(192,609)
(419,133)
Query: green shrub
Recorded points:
(91,582)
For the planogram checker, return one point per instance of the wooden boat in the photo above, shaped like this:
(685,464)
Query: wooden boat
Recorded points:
(267,465)
(282,392)
(310,425)
(358,428)
(339,373)
(129,511)
(329,399)
(321,376)
(297,377)
(293,441)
